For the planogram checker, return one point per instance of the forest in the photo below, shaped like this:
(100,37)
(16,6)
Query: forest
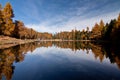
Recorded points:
(16,28)
(100,31)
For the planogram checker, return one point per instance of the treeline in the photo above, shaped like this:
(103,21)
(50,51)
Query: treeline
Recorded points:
(16,28)
(73,35)
(109,32)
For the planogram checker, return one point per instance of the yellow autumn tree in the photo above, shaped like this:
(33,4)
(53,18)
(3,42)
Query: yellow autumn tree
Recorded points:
(7,16)
(1,19)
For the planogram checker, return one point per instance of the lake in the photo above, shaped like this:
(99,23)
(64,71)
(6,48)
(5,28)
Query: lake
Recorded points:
(60,61)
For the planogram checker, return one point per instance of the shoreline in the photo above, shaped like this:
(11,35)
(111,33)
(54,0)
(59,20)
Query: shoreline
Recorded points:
(6,42)
(11,44)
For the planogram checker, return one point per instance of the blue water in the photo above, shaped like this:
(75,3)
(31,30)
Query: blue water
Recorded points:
(55,63)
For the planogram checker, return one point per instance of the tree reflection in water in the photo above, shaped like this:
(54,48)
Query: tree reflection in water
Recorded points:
(17,53)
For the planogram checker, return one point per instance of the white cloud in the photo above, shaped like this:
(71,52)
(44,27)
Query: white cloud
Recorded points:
(78,22)
(75,17)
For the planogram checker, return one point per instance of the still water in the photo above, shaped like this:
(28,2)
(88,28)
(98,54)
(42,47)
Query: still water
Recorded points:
(60,61)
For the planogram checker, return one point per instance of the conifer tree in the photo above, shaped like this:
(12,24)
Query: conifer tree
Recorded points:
(1,19)
(8,15)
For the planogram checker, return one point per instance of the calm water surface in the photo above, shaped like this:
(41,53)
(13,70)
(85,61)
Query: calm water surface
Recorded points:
(59,61)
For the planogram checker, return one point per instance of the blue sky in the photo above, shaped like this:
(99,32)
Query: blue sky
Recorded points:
(63,15)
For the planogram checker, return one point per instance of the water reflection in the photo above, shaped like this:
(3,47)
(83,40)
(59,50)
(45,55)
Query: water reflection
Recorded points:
(10,55)
(17,53)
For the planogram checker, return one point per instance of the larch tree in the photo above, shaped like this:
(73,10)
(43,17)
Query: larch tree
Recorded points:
(102,27)
(1,15)
(19,31)
(8,15)
(118,22)
(1,19)
(87,33)
(8,11)
(95,31)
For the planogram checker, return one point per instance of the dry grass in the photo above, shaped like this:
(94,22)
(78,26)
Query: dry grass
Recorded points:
(6,42)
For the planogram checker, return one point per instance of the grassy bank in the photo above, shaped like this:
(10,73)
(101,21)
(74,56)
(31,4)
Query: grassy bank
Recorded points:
(6,42)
